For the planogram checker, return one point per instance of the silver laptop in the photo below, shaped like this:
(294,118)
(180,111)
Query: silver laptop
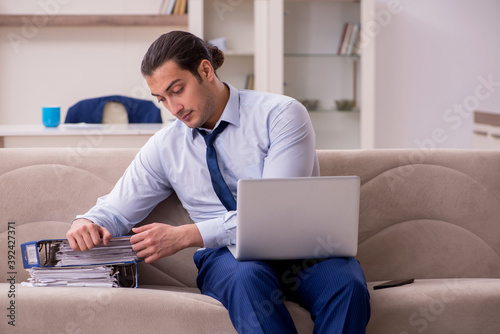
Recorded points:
(297,218)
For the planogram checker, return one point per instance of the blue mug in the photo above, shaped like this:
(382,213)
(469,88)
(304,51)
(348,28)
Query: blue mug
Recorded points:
(51,116)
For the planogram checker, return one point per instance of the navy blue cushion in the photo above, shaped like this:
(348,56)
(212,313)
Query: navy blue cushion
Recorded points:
(90,110)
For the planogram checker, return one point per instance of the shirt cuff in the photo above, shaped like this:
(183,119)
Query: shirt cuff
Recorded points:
(219,231)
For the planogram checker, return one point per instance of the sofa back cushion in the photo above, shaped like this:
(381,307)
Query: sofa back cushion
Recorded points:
(425,213)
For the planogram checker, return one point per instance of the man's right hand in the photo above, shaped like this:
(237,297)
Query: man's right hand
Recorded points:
(84,234)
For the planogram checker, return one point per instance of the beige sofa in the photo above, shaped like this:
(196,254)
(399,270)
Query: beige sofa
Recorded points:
(430,215)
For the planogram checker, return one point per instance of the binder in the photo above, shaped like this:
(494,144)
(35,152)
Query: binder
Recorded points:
(116,263)
(44,253)
(122,275)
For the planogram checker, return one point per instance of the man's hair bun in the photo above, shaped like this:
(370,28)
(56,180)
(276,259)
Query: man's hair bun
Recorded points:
(217,56)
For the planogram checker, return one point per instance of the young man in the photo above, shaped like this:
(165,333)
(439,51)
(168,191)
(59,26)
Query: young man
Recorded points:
(254,135)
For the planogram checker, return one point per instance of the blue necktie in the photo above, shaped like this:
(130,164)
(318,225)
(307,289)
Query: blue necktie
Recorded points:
(220,186)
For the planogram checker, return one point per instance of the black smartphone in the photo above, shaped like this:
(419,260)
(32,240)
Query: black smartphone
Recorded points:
(394,283)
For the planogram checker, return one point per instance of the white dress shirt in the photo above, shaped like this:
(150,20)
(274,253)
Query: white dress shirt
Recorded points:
(268,136)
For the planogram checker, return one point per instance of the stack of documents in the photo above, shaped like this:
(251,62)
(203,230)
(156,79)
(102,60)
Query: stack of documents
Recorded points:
(118,250)
(73,276)
(54,263)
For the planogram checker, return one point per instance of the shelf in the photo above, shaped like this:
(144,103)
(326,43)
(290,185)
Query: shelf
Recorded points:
(238,53)
(332,55)
(323,0)
(78,129)
(489,118)
(329,111)
(94,20)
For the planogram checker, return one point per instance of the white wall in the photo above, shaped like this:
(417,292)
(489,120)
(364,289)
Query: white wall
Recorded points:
(62,65)
(432,61)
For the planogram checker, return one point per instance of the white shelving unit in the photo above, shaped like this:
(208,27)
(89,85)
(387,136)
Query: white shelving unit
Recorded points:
(291,48)
(313,70)
(486,130)
(252,42)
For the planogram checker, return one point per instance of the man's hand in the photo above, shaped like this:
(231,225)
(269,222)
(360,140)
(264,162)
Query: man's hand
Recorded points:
(84,234)
(154,241)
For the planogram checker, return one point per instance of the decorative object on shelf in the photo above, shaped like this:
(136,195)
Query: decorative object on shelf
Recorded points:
(345,104)
(310,105)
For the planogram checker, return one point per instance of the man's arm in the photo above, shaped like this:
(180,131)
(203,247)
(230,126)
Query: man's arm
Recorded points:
(84,234)
(292,151)
(138,191)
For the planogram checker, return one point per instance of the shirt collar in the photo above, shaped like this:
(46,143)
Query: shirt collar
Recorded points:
(231,113)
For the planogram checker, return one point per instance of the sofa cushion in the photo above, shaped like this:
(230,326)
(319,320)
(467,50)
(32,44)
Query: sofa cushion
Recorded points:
(144,310)
(457,305)
(177,270)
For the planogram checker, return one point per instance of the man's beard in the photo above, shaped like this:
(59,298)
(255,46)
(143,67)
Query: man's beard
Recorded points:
(208,108)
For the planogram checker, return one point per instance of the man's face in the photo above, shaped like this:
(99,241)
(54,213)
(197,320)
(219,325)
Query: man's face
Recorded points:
(183,95)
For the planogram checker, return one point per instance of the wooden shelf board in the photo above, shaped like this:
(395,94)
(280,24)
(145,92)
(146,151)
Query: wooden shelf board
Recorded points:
(483,117)
(93,20)
(319,55)
(238,53)
(323,0)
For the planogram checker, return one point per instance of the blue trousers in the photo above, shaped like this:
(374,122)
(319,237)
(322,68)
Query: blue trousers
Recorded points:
(333,290)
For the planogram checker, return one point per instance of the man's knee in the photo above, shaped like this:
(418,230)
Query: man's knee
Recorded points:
(349,278)
(354,281)
(357,287)
(253,274)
